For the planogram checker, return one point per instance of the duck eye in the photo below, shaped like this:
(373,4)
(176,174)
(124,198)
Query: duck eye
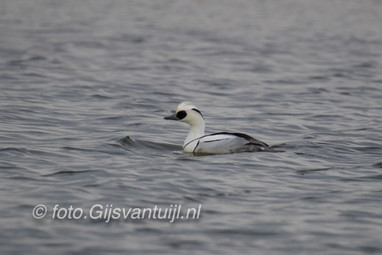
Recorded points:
(180,115)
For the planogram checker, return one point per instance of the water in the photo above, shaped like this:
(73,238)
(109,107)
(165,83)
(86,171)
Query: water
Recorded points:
(85,86)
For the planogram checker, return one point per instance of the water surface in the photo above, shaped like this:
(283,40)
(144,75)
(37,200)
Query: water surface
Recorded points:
(85,86)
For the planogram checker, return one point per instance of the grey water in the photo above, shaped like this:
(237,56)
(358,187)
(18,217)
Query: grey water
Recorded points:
(84,89)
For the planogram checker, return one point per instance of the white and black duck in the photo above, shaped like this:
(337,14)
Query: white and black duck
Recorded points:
(218,143)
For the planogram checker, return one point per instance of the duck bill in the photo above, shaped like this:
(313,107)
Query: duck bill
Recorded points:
(171,117)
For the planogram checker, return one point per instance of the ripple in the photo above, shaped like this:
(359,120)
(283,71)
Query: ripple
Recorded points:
(247,232)
(99,96)
(184,244)
(370,249)
(14,149)
(302,172)
(132,144)
(368,178)
(67,172)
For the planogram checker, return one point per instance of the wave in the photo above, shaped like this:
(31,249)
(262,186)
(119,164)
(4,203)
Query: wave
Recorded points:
(134,144)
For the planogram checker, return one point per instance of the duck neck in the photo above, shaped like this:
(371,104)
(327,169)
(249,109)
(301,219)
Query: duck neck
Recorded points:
(196,131)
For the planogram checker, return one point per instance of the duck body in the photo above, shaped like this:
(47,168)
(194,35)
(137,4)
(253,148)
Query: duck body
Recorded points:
(223,143)
(218,143)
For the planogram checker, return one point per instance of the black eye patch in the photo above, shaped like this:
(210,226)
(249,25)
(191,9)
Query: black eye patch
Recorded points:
(180,115)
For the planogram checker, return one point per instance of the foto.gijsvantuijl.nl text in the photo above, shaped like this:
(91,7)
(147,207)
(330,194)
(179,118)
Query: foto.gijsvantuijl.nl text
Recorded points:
(108,212)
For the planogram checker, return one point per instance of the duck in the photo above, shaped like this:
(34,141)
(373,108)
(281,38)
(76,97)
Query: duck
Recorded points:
(198,143)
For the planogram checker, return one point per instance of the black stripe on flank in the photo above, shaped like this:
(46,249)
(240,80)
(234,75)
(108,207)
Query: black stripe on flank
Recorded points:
(196,147)
(217,140)
(245,136)
(249,138)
